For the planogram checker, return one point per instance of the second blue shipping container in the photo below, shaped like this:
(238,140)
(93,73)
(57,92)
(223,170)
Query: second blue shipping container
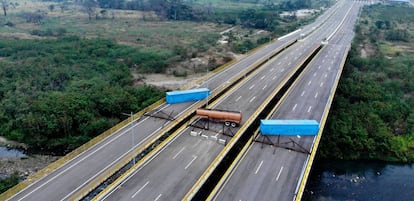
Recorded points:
(289,127)
(187,95)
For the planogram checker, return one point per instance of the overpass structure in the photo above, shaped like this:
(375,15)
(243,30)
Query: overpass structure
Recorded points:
(180,165)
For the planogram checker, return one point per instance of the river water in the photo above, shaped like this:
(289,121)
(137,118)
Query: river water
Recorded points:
(10,153)
(360,181)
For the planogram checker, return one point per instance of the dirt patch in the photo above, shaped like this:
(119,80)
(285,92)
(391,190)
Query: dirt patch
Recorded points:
(169,82)
(367,50)
(19,36)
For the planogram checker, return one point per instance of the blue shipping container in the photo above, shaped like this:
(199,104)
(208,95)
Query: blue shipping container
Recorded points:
(289,127)
(187,95)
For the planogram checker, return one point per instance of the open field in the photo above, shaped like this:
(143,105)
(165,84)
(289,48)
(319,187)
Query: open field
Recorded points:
(139,29)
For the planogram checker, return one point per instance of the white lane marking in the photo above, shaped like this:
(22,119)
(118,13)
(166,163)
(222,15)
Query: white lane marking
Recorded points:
(264,87)
(323,60)
(303,93)
(321,84)
(274,78)
(272,69)
(178,153)
(263,77)
(140,189)
(296,57)
(319,67)
(188,165)
(294,107)
(289,63)
(280,172)
(251,87)
(309,82)
(282,70)
(279,63)
(238,98)
(329,68)
(310,108)
(314,74)
(316,95)
(252,99)
(258,168)
(326,75)
(158,197)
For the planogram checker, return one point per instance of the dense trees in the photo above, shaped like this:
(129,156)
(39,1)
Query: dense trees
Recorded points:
(57,94)
(265,16)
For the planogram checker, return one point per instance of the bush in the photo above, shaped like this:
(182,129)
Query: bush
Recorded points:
(57,94)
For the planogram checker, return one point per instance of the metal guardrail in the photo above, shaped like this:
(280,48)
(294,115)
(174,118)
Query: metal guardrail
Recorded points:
(73,154)
(319,136)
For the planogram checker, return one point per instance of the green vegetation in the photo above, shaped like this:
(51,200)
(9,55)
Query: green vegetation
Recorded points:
(8,182)
(58,93)
(373,110)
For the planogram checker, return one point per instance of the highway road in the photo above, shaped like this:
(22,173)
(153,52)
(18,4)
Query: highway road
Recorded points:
(65,181)
(272,172)
(171,172)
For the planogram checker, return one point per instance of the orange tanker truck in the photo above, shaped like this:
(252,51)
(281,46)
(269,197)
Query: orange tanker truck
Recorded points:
(230,118)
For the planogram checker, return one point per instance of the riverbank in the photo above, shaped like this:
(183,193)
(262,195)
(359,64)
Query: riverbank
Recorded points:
(25,166)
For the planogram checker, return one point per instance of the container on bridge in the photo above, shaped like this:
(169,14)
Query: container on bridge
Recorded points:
(289,127)
(187,95)
(230,118)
